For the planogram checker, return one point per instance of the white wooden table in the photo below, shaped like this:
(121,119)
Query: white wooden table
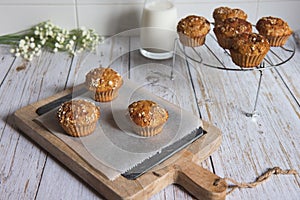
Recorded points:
(248,149)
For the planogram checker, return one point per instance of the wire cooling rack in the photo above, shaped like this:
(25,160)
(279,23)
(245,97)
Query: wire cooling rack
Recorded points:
(216,57)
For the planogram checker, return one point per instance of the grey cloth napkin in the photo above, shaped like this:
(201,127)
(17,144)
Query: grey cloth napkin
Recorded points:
(114,148)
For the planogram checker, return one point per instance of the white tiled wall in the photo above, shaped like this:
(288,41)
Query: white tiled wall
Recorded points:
(113,16)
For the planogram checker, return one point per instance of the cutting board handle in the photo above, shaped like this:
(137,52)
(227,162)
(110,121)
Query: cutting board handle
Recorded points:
(200,182)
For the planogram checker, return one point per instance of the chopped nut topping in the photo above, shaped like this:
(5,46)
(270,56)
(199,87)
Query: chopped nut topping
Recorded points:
(193,26)
(77,112)
(147,113)
(103,79)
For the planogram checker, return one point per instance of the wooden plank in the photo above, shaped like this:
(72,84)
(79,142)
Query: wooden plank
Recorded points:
(22,162)
(250,146)
(6,61)
(289,72)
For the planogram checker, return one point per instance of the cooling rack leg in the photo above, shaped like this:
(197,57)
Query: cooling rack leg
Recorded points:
(174,59)
(254,113)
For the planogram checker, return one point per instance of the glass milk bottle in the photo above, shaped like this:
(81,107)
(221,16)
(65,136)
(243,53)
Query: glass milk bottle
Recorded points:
(158,29)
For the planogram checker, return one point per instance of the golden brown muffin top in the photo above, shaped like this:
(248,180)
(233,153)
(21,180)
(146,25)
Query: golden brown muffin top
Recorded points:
(233,26)
(250,44)
(273,26)
(222,13)
(193,26)
(103,79)
(147,113)
(78,112)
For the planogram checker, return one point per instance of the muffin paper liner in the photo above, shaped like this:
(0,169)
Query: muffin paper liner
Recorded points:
(80,130)
(106,96)
(147,131)
(191,41)
(277,41)
(246,60)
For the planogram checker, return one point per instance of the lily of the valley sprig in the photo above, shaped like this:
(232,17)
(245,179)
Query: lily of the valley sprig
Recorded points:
(29,43)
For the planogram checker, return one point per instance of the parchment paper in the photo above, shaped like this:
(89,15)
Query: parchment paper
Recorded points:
(114,148)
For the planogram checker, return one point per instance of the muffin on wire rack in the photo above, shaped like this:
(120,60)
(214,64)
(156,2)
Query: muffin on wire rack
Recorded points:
(104,83)
(276,30)
(249,49)
(230,28)
(192,30)
(222,13)
(147,117)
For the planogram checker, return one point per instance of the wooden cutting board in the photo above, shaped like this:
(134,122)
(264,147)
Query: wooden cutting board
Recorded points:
(180,169)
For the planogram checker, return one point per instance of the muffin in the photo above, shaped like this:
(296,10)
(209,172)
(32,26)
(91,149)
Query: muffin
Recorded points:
(192,30)
(274,29)
(248,50)
(222,13)
(229,29)
(147,117)
(104,83)
(78,117)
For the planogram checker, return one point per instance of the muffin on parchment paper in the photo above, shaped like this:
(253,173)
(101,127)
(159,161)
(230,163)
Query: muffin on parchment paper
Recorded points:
(222,13)
(192,30)
(147,117)
(104,83)
(229,29)
(276,30)
(78,117)
(249,49)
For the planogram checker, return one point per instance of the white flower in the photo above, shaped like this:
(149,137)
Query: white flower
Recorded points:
(25,49)
(30,58)
(57,45)
(32,45)
(22,43)
(50,33)
(46,34)
(43,41)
